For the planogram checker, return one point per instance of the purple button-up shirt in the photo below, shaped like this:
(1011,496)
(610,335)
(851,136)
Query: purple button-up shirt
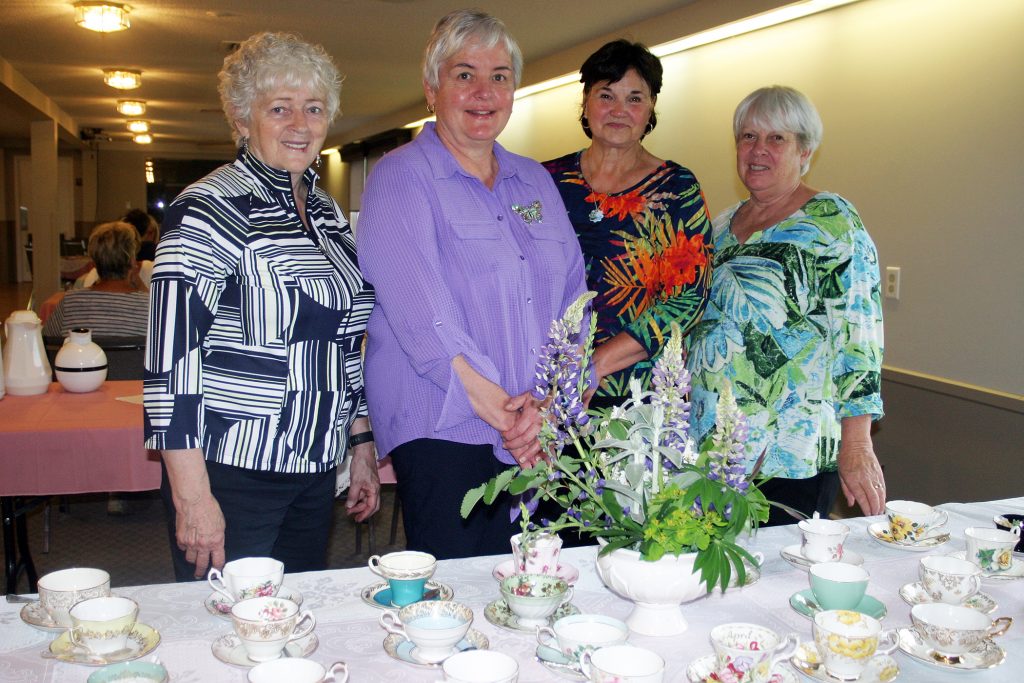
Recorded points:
(459,269)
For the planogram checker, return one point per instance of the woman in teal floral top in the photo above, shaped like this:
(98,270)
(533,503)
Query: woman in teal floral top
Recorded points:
(641,221)
(795,318)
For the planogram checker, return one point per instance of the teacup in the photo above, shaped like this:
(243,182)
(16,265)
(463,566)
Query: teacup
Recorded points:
(407,572)
(746,653)
(59,590)
(952,630)
(102,625)
(822,539)
(480,666)
(1007,522)
(837,585)
(577,633)
(434,627)
(622,664)
(539,553)
(911,522)
(991,549)
(288,670)
(249,577)
(949,579)
(265,625)
(847,641)
(534,597)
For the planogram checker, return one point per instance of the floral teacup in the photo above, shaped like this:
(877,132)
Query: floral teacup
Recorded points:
(746,653)
(536,553)
(991,549)
(847,641)
(534,597)
(248,577)
(911,522)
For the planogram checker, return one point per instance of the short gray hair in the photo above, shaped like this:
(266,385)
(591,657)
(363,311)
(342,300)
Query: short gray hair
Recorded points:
(455,30)
(266,61)
(779,107)
(112,248)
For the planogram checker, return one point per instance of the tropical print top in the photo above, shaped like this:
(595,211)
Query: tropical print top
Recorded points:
(648,255)
(795,324)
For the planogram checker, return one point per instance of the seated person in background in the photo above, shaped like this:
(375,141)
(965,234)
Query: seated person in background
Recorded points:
(114,306)
(149,235)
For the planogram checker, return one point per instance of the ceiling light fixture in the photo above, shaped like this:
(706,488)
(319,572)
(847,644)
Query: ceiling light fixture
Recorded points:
(143,138)
(122,79)
(138,126)
(102,17)
(150,175)
(131,107)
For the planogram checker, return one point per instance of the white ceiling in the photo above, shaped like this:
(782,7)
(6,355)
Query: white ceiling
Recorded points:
(179,46)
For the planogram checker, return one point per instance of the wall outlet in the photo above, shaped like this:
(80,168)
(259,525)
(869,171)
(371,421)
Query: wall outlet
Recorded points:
(892,282)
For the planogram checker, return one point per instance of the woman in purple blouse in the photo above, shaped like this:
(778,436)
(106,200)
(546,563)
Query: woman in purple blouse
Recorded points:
(472,256)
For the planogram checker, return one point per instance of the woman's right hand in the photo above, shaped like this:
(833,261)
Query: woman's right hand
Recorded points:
(199,521)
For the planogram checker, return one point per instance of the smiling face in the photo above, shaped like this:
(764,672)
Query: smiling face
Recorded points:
(473,100)
(768,161)
(618,112)
(286,129)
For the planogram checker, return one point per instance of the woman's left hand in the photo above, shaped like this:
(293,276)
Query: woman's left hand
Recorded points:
(860,475)
(364,491)
(521,440)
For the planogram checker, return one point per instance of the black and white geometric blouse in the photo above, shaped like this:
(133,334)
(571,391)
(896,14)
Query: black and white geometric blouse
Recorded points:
(255,325)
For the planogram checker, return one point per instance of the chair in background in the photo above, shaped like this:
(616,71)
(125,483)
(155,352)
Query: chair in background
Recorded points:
(386,473)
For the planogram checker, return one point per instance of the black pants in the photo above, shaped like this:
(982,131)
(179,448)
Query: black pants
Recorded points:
(433,476)
(267,514)
(816,494)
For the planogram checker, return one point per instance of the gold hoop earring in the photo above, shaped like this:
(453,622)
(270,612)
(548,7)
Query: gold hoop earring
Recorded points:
(430,108)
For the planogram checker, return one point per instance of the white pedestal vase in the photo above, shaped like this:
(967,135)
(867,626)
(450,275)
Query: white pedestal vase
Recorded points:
(656,589)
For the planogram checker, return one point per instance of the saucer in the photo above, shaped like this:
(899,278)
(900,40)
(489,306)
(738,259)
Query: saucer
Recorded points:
(141,641)
(557,663)
(141,672)
(792,554)
(880,532)
(379,594)
(806,660)
(219,606)
(701,670)
(988,656)
(499,614)
(566,572)
(915,594)
(1015,571)
(804,603)
(35,616)
(230,650)
(400,648)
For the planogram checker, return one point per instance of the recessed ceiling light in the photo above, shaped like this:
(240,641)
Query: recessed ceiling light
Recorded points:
(131,107)
(102,17)
(143,138)
(122,79)
(138,126)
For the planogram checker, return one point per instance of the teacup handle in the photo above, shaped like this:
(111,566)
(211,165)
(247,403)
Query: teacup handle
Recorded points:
(1015,530)
(545,632)
(391,623)
(216,575)
(585,663)
(891,635)
(568,596)
(338,673)
(999,626)
(297,632)
(758,558)
(975,583)
(942,516)
(374,564)
(788,648)
(74,637)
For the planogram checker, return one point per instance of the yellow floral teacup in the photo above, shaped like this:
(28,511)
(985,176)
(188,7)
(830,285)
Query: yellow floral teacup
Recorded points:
(911,522)
(847,641)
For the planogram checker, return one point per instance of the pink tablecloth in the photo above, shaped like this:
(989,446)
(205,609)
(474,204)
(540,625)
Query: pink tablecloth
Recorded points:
(59,442)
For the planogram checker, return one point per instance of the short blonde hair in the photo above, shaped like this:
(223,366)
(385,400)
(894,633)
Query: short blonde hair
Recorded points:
(112,248)
(266,61)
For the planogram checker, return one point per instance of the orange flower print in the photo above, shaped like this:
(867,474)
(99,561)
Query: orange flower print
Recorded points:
(619,207)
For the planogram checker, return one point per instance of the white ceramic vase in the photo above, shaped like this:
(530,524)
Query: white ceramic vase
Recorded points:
(81,364)
(656,589)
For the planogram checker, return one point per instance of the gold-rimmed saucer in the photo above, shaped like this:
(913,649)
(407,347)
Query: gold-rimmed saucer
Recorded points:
(141,641)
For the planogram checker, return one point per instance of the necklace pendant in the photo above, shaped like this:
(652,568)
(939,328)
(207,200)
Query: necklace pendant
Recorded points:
(596,216)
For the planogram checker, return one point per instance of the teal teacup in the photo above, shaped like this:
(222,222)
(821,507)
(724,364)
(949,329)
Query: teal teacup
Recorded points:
(406,591)
(407,572)
(837,585)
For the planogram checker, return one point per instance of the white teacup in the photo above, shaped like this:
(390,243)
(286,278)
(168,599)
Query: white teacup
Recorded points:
(434,627)
(266,625)
(623,664)
(847,641)
(248,577)
(822,539)
(949,579)
(59,590)
(297,670)
(578,633)
(480,666)
(539,554)
(102,625)
(954,629)
(533,598)
(747,652)
(911,522)
(991,549)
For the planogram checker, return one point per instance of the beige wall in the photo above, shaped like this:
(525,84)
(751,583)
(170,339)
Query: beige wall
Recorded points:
(121,183)
(922,102)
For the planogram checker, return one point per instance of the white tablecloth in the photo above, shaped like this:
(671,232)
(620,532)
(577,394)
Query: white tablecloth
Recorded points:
(348,629)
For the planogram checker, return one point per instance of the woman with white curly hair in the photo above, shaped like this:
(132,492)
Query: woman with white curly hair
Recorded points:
(254,387)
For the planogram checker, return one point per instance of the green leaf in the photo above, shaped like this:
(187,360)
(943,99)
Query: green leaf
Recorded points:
(470,500)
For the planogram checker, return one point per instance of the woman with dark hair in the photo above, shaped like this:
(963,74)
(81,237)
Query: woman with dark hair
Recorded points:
(640,220)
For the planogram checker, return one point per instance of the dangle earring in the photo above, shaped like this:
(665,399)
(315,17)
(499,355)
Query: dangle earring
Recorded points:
(430,108)
(245,144)
(318,161)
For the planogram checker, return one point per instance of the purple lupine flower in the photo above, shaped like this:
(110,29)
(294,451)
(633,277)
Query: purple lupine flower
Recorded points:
(728,456)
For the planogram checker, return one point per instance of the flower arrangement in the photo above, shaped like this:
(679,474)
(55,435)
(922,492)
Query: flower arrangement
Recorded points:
(632,476)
